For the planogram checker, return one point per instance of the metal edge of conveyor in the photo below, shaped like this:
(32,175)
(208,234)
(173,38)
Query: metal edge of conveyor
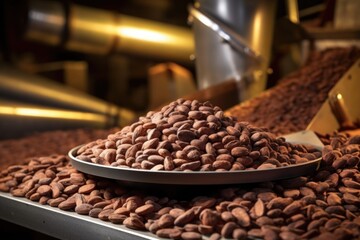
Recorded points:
(341,106)
(63,224)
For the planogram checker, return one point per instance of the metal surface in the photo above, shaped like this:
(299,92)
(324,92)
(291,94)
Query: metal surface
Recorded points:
(45,21)
(32,89)
(63,224)
(227,34)
(193,178)
(153,39)
(90,30)
(348,88)
(293,10)
(341,109)
(305,137)
(216,61)
(97,31)
(19,119)
(324,121)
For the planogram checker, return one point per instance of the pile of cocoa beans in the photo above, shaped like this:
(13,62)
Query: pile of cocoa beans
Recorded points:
(193,136)
(15,151)
(324,205)
(294,101)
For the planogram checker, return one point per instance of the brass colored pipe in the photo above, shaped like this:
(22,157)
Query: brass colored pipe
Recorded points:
(97,31)
(18,119)
(90,30)
(293,10)
(61,114)
(23,87)
(150,38)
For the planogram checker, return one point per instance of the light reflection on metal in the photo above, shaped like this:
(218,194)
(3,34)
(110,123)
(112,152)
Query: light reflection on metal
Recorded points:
(222,7)
(46,21)
(97,31)
(143,34)
(340,111)
(90,30)
(293,10)
(257,25)
(233,40)
(226,33)
(19,119)
(51,113)
(32,89)
(153,39)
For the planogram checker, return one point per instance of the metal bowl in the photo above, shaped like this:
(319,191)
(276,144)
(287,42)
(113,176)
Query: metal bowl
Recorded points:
(193,178)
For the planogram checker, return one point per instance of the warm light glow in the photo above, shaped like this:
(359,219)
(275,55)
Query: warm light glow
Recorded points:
(7,110)
(143,34)
(49,113)
(86,25)
(45,17)
(257,30)
(339,96)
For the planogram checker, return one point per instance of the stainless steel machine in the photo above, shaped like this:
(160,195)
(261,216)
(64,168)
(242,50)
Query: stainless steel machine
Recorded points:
(233,40)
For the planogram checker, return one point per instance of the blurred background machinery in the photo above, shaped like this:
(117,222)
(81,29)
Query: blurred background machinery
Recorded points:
(75,63)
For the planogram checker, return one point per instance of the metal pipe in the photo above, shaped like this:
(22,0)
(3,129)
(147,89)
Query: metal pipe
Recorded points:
(153,39)
(23,87)
(96,31)
(293,10)
(90,30)
(46,22)
(18,119)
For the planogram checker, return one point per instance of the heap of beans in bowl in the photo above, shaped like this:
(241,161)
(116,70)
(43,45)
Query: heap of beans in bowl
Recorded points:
(188,135)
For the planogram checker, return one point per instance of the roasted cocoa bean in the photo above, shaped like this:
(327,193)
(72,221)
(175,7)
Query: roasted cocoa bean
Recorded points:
(242,217)
(133,223)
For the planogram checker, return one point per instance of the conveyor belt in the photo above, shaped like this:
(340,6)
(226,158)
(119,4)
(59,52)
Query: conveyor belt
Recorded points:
(62,224)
